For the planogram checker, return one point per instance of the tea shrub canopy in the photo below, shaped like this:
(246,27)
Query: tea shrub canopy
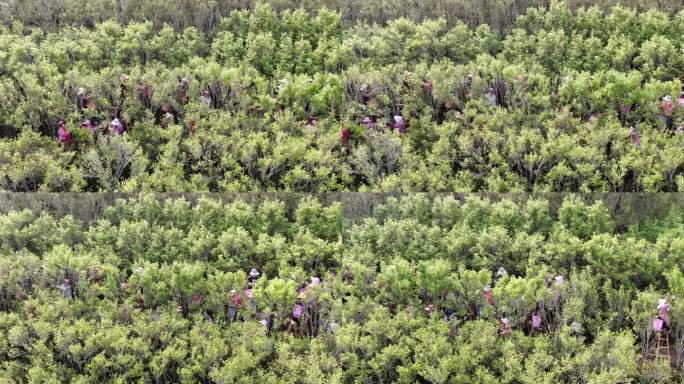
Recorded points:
(566,100)
(157,290)
(238,191)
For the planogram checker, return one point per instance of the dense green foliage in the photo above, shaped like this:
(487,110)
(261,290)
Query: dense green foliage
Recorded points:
(205,14)
(335,96)
(567,85)
(152,283)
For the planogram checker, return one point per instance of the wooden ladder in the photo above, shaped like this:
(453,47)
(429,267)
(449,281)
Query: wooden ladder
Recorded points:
(662,348)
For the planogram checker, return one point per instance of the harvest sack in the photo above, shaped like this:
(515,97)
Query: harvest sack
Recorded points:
(297,313)
(657,325)
(536,321)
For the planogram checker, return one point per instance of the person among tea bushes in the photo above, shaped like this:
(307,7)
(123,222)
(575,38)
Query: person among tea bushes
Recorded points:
(116,127)
(663,310)
(576,329)
(145,93)
(63,134)
(487,292)
(365,93)
(500,274)
(491,97)
(182,95)
(505,327)
(206,98)
(193,127)
(345,134)
(87,124)
(428,88)
(235,304)
(295,320)
(197,298)
(252,278)
(167,119)
(301,290)
(429,308)
(266,320)
(82,99)
(666,109)
(67,289)
(282,84)
(559,281)
(139,299)
(535,322)
(368,122)
(333,327)
(398,124)
(634,135)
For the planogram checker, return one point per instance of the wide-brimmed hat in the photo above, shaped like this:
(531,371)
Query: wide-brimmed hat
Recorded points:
(254,272)
(662,303)
(575,326)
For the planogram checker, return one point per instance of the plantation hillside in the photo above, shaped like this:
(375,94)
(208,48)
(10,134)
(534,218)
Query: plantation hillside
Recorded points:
(561,98)
(423,290)
(206,15)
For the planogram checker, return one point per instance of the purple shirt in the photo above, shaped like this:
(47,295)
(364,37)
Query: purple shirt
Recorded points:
(89,125)
(536,321)
(399,124)
(634,135)
(117,127)
(297,312)
(368,122)
(63,135)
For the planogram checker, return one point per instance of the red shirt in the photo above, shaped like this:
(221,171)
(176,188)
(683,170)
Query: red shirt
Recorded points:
(490,298)
(345,134)
(237,300)
(197,298)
